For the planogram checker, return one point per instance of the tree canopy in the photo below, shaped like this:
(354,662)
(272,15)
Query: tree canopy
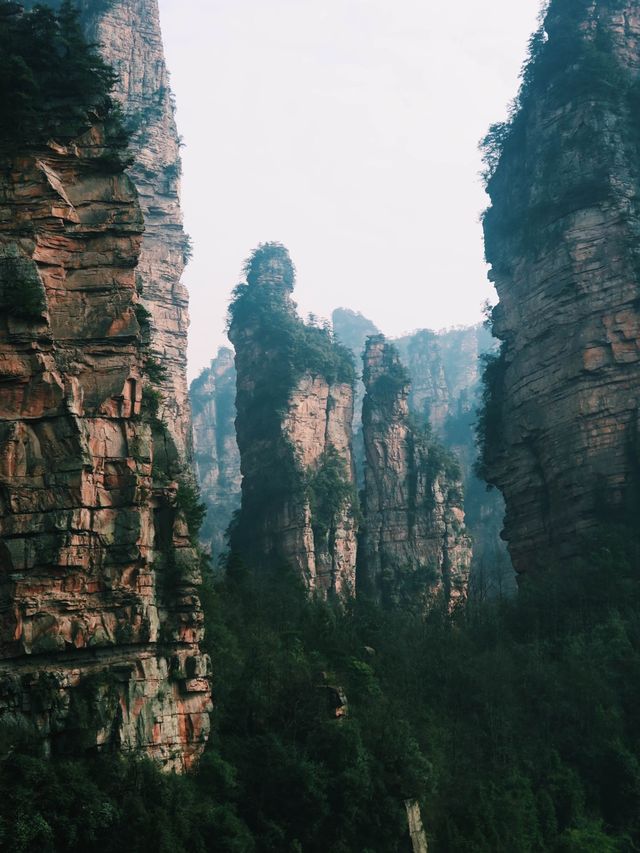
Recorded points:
(53,84)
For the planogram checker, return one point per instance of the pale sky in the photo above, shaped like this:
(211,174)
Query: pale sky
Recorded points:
(348,130)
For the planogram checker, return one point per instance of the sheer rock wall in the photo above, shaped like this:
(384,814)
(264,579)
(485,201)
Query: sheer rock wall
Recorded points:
(414,547)
(130,39)
(562,237)
(99,614)
(284,443)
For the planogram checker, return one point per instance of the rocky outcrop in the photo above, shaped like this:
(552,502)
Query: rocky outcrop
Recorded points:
(99,614)
(294,417)
(129,36)
(414,548)
(216,454)
(561,420)
(445,370)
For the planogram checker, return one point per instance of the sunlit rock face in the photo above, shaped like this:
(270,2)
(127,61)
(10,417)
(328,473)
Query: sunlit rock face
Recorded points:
(100,620)
(294,427)
(130,39)
(415,549)
(562,239)
(216,454)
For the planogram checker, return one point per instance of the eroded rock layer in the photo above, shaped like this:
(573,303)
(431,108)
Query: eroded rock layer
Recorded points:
(130,39)
(415,548)
(99,613)
(562,237)
(294,424)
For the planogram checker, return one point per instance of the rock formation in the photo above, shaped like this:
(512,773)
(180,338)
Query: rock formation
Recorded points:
(216,454)
(92,610)
(295,411)
(129,37)
(352,330)
(563,397)
(414,546)
(100,620)
(444,370)
(430,399)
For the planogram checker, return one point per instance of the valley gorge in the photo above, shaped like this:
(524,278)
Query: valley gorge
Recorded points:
(442,366)
(216,454)
(345,592)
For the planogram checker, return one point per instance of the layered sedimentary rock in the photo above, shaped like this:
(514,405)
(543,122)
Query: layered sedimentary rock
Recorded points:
(414,548)
(129,37)
(294,424)
(216,454)
(99,614)
(562,237)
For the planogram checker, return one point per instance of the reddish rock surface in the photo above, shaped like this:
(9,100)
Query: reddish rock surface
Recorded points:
(284,443)
(98,601)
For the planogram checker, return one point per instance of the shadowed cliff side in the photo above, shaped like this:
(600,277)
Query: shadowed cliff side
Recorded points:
(560,421)
(216,455)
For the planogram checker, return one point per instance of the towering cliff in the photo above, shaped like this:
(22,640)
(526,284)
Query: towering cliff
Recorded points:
(562,398)
(414,546)
(129,38)
(99,614)
(216,454)
(444,370)
(294,423)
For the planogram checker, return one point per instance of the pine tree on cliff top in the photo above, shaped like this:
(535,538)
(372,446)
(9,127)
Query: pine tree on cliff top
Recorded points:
(53,84)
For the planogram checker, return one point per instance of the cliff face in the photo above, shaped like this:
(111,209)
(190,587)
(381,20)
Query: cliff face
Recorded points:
(562,237)
(100,619)
(130,39)
(216,454)
(294,417)
(430,399)
(414,546)
(444,371)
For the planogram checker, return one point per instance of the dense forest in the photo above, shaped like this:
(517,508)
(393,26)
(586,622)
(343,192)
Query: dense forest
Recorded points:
(514,723)
(52,83)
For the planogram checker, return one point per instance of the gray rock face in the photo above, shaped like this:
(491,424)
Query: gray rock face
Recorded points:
(414,549)
(216,454)
(562,237)
(430,398)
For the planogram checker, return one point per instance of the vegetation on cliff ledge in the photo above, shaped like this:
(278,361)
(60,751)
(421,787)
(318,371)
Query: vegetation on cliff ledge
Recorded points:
(53,85)
(275,349)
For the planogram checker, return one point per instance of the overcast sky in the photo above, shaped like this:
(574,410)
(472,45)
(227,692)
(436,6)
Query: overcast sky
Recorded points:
(348,130)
